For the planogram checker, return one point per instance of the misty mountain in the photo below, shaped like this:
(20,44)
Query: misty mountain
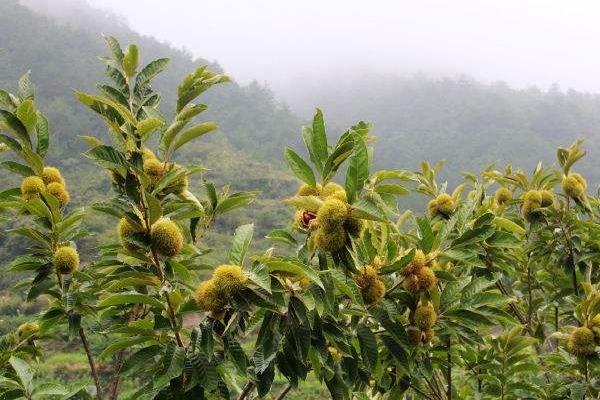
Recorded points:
(467,123)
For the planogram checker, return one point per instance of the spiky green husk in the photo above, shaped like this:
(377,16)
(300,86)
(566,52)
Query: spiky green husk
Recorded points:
(354,226)
(229,278)
(126,232)
(547,198)
(503,195)
(426,278)
(154,169)
(332,214)
(306,190)
(66,260)
(335,354)
(60,192)
(28,329)
(425,316)
(443,205)
(532,201)
(581,341)
(334,191)
(166,237)
(209,297)
(371,286)
(414,335)
(574,185)
(31,187)
(52,175)
(330,240)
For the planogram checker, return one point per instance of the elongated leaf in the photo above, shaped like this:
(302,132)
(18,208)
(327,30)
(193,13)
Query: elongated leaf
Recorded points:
(27,114)
(300,168)
(129,298)
(150,71)
(193,133)
(368,346)
(241,241)
(358,170)
(42,131)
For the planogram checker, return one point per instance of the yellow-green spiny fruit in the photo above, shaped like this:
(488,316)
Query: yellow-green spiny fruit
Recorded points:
(181,184)
(354,226)
(427,278)
(32,187)
(432,208)
(306,190)
(66,260)
(532,200)
(411,284)
(574,185)
(148,154)
(155,169)
(414,335)
(503,195)
(28,329)
(419,261)
(59,191)
(332,214)
(166,237)
(52,175)
(209,297)
(229,278)
(425,316)
(547,198)
(427,335)
(126,232)
(330,240)
(371,286)
(581,341)
(445,204)
(334,191)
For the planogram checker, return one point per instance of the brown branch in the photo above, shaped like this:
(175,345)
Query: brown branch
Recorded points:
(116,379)
(90,358)
(284,392)
(246,391)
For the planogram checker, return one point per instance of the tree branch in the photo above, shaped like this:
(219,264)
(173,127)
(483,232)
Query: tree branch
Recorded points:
(90,358)
(284,392)
(246,391)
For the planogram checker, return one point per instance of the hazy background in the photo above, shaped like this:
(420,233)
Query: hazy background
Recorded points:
(286,43)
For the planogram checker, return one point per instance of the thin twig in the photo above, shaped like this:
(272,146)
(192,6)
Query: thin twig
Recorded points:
(284,392)
(90,358)
(246,391)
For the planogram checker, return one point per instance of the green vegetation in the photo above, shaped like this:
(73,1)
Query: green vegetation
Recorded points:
(125,281)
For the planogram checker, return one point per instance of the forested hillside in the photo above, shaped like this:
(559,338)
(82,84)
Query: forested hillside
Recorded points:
(61,53)
(465,122)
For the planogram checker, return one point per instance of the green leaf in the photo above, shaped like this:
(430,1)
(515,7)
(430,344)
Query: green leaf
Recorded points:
(108,156)
(367,209)
(125,344)
(17,168)
(358,170)
(147,126)
(115,48)
(337,158)
(131,60)
(150,71)
(234,201)
(399,264)
(292,266)
(26,88)
(14,125)
(241,241)
(129,298)
(509,225)
(368,346)
(100,105)
(42,131)
(300,168)
(24,372)
(426,234)
(281,235)
(27,114)
(172,362)
(193,133)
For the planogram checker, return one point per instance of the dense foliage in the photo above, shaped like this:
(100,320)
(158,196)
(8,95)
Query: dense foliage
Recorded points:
(492,293)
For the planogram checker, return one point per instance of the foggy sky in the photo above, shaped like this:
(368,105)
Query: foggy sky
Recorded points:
(283,42)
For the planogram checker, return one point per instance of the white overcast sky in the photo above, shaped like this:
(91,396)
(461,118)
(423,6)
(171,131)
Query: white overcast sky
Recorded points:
(523,42)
